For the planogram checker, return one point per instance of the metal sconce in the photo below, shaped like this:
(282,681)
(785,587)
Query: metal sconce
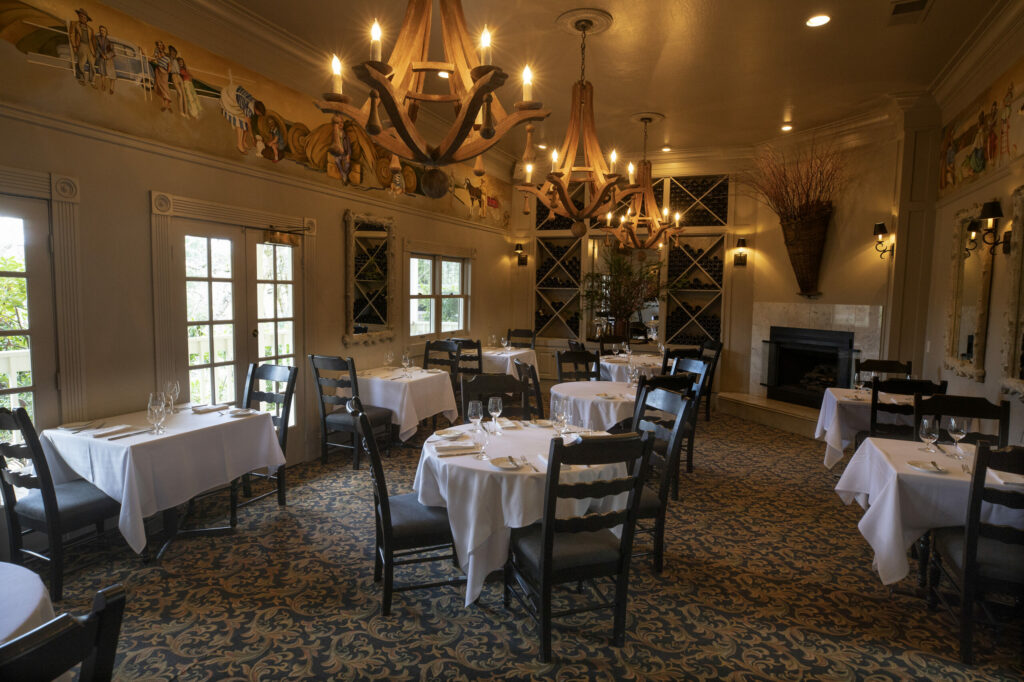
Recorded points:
(739,259)
(973,228)
(520,253)
(992,211)
(880,247)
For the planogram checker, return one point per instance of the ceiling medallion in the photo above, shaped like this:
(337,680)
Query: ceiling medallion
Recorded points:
(398,86)
(580,184)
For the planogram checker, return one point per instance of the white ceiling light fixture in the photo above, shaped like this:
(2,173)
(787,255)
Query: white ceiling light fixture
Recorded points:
(818,20)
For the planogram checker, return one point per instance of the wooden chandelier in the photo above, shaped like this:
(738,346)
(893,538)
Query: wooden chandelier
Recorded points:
(480,120)
(642,214)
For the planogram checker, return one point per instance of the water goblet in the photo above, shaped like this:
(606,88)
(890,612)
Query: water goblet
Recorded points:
(389,357)
(480,439)
(475,413)
(928,432)
(173,389)
(494,409)
(858,382)
(504,343)
(957,430)
(406,361)
(156,410)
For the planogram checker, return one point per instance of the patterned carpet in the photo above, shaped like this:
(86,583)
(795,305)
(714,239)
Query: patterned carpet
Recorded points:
(766,578)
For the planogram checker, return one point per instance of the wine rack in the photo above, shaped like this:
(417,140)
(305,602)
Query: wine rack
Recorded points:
(557,288)
(370,302)
(695,275)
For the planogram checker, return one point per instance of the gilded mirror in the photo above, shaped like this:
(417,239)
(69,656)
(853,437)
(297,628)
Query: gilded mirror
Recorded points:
(970,284)
(371,279)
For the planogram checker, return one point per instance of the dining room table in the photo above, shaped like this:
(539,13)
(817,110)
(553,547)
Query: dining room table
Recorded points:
(24,604)
(412,395)
(497,360)
(906,491)
(486,499)
(598,405)
(616,367)
(845,412)
(200,449)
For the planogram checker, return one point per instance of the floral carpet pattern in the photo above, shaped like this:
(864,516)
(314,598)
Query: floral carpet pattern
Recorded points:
(766,578)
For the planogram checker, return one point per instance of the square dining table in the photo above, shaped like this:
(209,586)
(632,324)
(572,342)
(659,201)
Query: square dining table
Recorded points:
(411,397)
(845,412)
(149,472)
(497,360)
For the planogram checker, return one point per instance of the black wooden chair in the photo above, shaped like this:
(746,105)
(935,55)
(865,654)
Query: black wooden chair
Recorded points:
(279,380)
(484,386)
(53,509)
(443,355)
(334,418)
(471,356)
(407,531)
(527,338)
(577,345)
(981,559)
(668,435)
(711,351)
(971,407)
(528,374)
(53,648)
(880,429)
(670,355)
(574,365)
(609,341)
(579,548)
(695,371)
(883,367)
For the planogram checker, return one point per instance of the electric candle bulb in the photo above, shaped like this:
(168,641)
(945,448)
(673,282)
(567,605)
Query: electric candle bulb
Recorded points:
(375,35)
(608,219)
(529,173)
(677,216)
(632,173)
(336,78)
(664,213)
(554,160)
(612,158)
(527,84)
(485,47)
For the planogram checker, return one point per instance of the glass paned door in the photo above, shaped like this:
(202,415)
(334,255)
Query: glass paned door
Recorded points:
(28,367)
(274,266)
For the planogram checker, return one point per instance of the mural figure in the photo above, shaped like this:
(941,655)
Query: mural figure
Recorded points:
(476,196)
(160,63)
(239,108)
(188,90)
(174,69)
(104,50)
(341,149)
(80,35)
(1004,125)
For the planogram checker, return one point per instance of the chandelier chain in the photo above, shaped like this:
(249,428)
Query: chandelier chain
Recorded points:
(583,54)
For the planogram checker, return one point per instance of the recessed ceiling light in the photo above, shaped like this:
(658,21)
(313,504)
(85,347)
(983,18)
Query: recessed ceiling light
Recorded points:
(442,74)
(818,20)
(666,148)
(542,146)
(786,127)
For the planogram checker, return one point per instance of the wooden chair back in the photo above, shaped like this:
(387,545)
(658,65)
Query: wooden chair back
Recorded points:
(609,341)
(364,431)
(470,356)
(342,376)
(585,366)
(883,367)
(668,435)
(576,345)
(971,407)
(527,338)
(35,478)
(276,375)
(528,374)
(671,354)
(898,387)
(482,387)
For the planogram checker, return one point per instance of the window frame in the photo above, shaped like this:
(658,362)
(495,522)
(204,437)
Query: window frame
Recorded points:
(437,261)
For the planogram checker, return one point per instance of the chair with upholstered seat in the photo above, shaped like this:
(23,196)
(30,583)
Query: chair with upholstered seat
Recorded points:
(574,365)
(970,407)
(521,338)
(511,390)
(884,367)
(52,509)
(572,547)
(54,648)
(983,558)
(278,389)
(652,406)
(710,351)
(332,374)
(699,370)
(407,532)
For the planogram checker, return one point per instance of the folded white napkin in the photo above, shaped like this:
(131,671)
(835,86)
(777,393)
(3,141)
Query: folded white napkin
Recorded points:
(506,423)
(201,409)
(112,430)
(454,448)
(1007,478)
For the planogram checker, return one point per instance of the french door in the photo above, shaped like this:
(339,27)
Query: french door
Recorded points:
(28,360)
(236,300)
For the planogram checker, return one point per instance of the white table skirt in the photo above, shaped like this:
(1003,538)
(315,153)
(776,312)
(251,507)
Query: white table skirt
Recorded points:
(412,399)
(593,411)
(901,503)
(845,413)
(149,473)
(24,601)
(616,367)
(497,361)
(484,503)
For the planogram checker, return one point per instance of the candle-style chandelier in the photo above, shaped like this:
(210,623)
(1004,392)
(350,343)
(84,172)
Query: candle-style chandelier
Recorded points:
(581,184)
(398,86)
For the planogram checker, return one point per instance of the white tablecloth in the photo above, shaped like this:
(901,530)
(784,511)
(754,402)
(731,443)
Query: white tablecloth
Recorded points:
(497,361)
(24,601)
(591,410)
(616,367)
(902,503)
(845,412)
(149,473)
(422,395)
(484,503)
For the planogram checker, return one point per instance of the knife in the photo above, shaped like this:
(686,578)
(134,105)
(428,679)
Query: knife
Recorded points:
(91,426)
(939,446)
(129,435)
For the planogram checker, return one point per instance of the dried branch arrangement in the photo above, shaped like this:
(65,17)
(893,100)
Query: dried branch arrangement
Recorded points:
(799,183)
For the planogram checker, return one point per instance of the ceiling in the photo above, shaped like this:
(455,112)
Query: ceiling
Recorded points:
(725,73)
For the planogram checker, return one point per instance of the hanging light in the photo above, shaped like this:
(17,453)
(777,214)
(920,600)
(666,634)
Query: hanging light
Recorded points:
(644,225)
(581,184)
(398,86)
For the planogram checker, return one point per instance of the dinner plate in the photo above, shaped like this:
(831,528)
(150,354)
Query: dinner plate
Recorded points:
(610,396)
(448,434)
(506,463)
(243,412)
(434,371)
(539,423)
(927,467)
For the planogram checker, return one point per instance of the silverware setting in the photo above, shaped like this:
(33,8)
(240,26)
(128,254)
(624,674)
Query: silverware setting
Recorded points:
(91,426)
(937,467)
(528,463)
(458,454)
(129,435)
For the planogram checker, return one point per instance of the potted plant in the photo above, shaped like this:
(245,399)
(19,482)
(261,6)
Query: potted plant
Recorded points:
(621,288)
(800,188)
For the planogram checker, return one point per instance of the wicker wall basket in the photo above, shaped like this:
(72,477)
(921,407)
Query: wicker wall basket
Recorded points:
(805,242)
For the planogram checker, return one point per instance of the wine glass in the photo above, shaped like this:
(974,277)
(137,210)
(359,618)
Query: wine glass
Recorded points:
(156,410)
(504,343)
(493,341)
(858,382)
(628,350)
(558,415)
(406,361)
(475,413)
(928,432)
(480,439)
(173,389)
(957,430)
(494,409)
(389,357)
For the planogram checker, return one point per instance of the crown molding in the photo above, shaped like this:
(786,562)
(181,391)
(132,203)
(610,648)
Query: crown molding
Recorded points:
(997,38)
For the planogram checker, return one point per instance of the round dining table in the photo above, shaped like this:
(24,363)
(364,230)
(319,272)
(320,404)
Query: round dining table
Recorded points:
(597,405)
(616,367)
(24,602)
(486,502)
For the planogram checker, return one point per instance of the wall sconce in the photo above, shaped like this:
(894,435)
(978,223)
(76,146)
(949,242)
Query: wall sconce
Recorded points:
(520,253)
(971,243)
(880,247)
(992,211)
(739,259)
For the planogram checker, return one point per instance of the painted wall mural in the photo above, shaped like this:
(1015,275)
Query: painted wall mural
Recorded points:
(97,65)
(986,135)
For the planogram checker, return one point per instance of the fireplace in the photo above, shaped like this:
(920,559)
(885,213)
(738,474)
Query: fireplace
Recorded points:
(802,363)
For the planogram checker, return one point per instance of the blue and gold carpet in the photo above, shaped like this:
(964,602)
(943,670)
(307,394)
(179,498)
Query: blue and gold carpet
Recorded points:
(766,578)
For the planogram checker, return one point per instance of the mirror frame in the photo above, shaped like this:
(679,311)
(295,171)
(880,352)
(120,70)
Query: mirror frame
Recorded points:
(352,220)
(1013,335)
(974,368)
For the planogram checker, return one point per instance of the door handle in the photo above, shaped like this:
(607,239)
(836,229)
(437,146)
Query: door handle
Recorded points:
(255,334)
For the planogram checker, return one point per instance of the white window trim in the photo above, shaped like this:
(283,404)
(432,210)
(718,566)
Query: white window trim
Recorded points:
(439,252)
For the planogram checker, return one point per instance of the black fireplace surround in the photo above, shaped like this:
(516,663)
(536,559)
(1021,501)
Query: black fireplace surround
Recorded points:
(802,363)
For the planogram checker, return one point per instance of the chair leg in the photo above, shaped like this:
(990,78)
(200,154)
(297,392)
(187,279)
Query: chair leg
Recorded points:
(545,624)
(389,582)
(966,629)
(707,407)
(246,485)
(377,561)
(56,569)
(923,552)
(323,449)
(689,455)
(233,504)
(934,576)
(506,591)
(356,451)
(658,560)
(280,486)
(621,595)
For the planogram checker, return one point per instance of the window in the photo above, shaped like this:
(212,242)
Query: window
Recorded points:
(438,296)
